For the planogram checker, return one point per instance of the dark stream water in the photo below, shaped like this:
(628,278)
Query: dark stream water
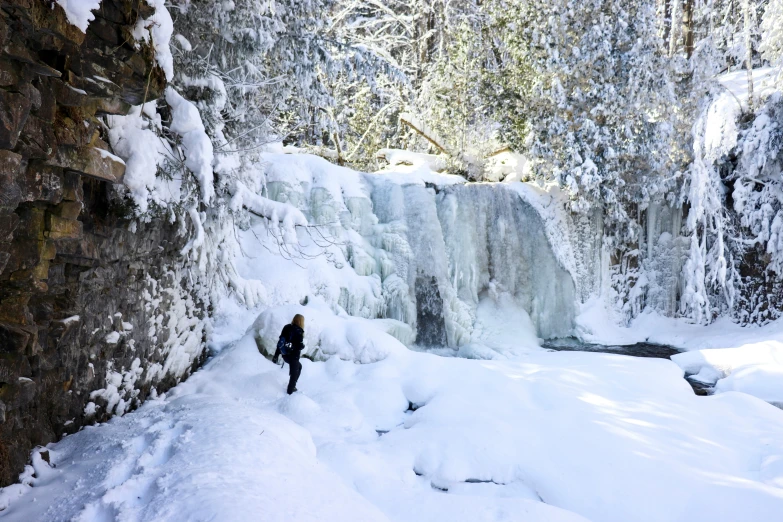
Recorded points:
(660,351)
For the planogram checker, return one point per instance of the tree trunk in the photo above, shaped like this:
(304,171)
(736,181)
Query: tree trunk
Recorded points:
(666,13)
(674,32)
(687,27)
(426,41)
(424,135)
(748,54)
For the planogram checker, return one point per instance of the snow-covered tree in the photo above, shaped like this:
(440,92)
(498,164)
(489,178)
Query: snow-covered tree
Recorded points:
(771,47)
(617,101)
(433,45)
(729,205)
(597,107)
(451,98)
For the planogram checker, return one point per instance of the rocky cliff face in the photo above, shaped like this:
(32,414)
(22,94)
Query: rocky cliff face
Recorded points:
(95,313)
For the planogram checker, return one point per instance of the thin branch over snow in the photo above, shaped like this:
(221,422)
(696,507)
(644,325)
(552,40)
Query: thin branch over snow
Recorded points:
(422,129)
(277,213)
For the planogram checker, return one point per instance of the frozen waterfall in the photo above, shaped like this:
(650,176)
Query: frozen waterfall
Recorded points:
(465,240)
(428,250)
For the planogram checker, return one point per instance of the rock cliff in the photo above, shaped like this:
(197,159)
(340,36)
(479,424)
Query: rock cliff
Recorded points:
(95,311)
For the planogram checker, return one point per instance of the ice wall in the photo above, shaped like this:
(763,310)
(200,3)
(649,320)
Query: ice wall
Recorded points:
(664,248)
(426,250)
(493,236)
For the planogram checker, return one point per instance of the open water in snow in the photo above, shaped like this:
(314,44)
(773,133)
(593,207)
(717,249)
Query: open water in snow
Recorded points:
(660,351)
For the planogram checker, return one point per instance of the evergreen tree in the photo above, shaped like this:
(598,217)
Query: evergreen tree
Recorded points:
(771,47)
(597,106)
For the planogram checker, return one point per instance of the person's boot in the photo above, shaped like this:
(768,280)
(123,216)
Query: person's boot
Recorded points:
(292,391)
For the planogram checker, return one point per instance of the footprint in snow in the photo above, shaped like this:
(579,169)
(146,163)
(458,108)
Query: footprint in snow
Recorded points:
(132,480)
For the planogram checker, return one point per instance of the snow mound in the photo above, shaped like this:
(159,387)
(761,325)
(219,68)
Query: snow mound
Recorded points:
(736,84)
(199,455)
(507,166)
(398,158)
(327,335)
(503,327)
(763,381)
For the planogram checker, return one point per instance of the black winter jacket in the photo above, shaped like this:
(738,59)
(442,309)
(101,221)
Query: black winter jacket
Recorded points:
(295,336)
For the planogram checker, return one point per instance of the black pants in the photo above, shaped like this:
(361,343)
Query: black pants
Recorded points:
(294,370)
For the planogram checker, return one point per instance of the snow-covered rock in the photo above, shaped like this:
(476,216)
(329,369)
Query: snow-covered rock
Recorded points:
(80,12)
(753,368)
(326,335)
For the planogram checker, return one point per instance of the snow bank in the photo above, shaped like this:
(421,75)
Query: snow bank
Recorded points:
(198,454)
(762,381)
(397,158)
(596,323)
(406,167)
(723,353)
(736,84)
(726,360)
(79,12)
(755,369)
(507,166)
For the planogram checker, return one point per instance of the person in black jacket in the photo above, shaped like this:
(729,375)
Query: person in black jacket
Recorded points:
(294,335)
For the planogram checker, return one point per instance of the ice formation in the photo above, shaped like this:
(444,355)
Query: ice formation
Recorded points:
(423,250)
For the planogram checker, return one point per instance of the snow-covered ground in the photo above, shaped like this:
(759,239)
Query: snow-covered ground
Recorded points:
(506,431)
(549,436)
(736,83)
